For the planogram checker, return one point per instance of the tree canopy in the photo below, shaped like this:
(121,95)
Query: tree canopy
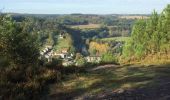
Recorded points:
(150,36)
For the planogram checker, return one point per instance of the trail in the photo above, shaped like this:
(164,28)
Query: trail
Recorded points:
(104,67)
(115,82)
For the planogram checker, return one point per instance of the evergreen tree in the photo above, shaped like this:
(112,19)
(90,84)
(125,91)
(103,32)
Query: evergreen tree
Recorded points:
(17,45)
(150,36)
(138,38)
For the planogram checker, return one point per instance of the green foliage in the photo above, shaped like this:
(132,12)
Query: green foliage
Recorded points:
(94,52)
(137,38)
(120,39)
(128,49)
(80,60)
(19,46)
(150,36)
(108,58)
(20,77)
(70,20)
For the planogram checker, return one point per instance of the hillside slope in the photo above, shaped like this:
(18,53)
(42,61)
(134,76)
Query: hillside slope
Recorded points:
(129,82)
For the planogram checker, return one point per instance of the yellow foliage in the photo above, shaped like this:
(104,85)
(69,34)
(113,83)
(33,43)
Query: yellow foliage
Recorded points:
(100,47)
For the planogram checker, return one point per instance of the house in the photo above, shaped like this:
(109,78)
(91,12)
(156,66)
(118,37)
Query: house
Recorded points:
(62,55)
(64,50)
(61,36)
(93,59)
(47,52)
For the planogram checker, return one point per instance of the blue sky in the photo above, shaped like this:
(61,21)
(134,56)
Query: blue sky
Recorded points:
(83,6)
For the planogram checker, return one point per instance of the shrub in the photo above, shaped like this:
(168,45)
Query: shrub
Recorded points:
(26,83)
(80,60)
(108,58)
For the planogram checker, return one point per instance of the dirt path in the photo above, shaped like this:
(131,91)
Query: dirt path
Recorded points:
(159,92)
(113,82)
(103,67)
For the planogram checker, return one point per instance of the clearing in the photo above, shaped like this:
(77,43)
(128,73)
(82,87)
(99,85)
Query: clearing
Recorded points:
(89,26)
(124,39)
(62,43)
(134,17)
(115,82)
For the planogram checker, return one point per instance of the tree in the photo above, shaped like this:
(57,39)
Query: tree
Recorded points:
(138,38)
(108,58)
(99,48)
(80,60)
(17,45)
(150,36)
(164,30)
(152,31)
(128,49)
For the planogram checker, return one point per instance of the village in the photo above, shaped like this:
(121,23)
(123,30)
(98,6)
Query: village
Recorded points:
(68,59)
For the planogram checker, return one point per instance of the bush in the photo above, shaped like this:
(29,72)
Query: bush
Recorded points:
(80,60)
(26,83)
(108,58)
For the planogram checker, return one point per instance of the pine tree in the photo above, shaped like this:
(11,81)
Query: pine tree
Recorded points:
(138,38)
(150,36)
(19,46)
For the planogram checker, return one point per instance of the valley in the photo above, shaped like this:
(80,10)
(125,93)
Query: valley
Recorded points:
(84,56)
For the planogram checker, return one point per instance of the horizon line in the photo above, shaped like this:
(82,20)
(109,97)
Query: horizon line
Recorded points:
(78,13)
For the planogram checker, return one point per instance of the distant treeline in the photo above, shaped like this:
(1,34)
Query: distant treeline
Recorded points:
(81,19)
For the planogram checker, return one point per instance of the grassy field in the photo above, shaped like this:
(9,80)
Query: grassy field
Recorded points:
(116,39)
(89,26)
(62,43)
(133,17)
(109,79)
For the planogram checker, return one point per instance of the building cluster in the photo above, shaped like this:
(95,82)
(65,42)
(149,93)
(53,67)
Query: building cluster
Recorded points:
(48,53)
(64,54)
(67,58)
(93,59)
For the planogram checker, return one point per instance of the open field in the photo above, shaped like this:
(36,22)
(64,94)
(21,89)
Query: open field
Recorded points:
(116,39)
(132,82)
(133,17)
(62,43)
(89,26)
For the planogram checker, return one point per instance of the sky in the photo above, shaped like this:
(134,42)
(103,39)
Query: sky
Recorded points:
(83,6)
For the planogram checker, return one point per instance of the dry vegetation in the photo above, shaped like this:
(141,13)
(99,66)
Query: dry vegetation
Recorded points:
(89,26)
(106,81)
(133,17)
(116,39)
